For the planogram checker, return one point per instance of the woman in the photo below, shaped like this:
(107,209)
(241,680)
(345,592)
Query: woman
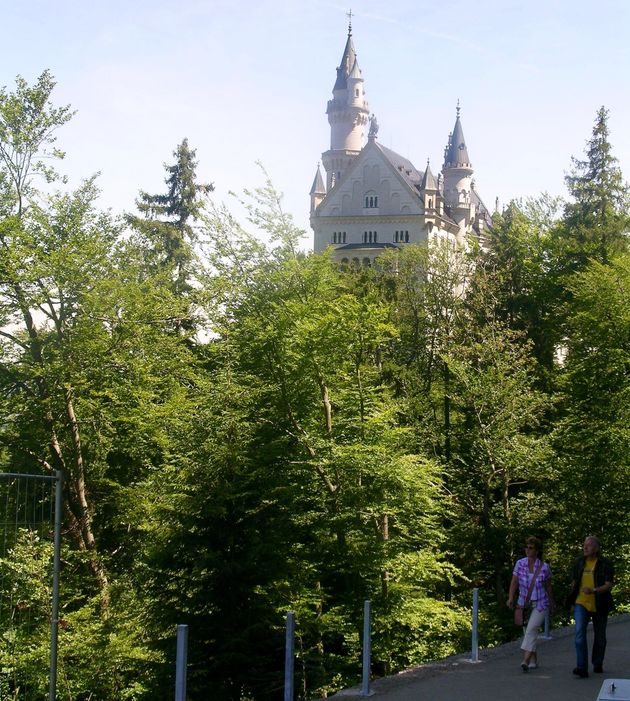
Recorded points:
(527,569)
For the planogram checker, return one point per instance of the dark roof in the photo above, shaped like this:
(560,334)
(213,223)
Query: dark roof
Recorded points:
(359,246)
(456,154)
(403,165)
(348,61)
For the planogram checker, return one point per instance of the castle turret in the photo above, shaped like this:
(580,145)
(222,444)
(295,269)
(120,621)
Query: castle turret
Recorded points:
(458,171)
(348,114)
(318,191)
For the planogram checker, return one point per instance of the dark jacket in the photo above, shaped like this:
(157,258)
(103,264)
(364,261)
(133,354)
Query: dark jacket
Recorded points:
(603,573)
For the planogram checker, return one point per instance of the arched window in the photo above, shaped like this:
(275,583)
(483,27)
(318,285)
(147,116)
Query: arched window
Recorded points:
(371,200)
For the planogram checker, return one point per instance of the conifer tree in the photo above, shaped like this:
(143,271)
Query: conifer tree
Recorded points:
(167,219)
(597,222)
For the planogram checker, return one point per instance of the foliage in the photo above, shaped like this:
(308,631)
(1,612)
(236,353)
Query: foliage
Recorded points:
(245,429)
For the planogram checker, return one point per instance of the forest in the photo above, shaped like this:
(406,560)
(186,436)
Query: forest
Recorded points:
(245,428)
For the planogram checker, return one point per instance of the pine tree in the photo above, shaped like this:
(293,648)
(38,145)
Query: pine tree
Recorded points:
(167,219)
(597,222)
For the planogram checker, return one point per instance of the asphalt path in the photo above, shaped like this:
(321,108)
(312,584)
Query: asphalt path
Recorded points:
(498,675)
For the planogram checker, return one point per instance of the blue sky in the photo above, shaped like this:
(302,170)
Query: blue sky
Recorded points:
(249,82)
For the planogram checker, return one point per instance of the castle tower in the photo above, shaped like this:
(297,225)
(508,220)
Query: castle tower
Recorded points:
(348,114)
(457,172)
(318,191)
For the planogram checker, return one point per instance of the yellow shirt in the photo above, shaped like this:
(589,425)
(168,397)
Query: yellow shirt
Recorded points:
(588,580)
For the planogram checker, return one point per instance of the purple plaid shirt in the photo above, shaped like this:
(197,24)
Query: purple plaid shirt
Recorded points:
(524,576)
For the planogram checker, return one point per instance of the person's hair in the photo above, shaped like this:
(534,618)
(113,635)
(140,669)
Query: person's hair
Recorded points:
(595,539)
(536,542)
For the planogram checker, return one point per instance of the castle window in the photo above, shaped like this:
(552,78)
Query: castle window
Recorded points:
(334,237)
(356,92)
(406,237)
(344,236)
(375,237)
(365,236)
(396,237)
(371,200)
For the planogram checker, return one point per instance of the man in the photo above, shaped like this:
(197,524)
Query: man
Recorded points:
(593,578)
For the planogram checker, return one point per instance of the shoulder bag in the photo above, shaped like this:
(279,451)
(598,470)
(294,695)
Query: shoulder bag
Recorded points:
(521,613)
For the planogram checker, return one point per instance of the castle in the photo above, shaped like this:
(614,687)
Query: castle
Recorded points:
(374,198)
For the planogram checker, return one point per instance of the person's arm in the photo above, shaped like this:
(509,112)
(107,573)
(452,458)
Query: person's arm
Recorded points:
(601,589)
(513,591)
(606,586)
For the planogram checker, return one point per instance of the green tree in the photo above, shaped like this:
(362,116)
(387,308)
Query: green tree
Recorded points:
(167,221)
(597,221)
(592,435)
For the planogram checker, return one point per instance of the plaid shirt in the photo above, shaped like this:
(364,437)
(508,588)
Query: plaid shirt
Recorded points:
(524,576)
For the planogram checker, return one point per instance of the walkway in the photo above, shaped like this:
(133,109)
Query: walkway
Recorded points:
(498,676)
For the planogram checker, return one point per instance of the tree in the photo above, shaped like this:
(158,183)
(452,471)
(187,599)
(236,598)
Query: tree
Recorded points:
(598,221)
(592,434)
(168,219)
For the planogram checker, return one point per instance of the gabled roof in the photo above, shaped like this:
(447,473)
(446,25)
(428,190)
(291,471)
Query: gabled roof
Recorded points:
(403,165)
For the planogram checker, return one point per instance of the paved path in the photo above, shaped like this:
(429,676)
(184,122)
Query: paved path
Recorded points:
(498,675)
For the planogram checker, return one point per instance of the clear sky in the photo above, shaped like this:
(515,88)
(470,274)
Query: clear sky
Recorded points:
(248,81)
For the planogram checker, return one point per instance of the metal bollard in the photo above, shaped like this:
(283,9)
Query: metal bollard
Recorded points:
(474,654)
(547,627)
(182,657)
(289,657)
(367,649)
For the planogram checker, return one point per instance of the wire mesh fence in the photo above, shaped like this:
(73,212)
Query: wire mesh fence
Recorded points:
(28,586)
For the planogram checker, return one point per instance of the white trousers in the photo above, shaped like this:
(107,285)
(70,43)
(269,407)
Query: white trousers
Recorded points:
(536,619)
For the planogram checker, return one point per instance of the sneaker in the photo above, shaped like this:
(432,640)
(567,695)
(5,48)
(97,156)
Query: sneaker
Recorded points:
(532,665)
(524,667)
(580,672)
(598,669)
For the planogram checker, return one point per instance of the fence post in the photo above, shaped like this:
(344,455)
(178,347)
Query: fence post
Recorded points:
(367,648)
(182,657)
(474,654)
(289,657)
(54,617)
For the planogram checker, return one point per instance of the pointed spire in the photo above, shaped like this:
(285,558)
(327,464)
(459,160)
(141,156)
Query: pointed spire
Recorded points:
(348,62)
(456,153)
(318,184)
(428,179)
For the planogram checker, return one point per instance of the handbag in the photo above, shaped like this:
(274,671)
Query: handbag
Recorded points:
(521,613)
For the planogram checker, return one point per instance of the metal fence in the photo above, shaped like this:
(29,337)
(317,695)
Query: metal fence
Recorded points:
(30,544)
